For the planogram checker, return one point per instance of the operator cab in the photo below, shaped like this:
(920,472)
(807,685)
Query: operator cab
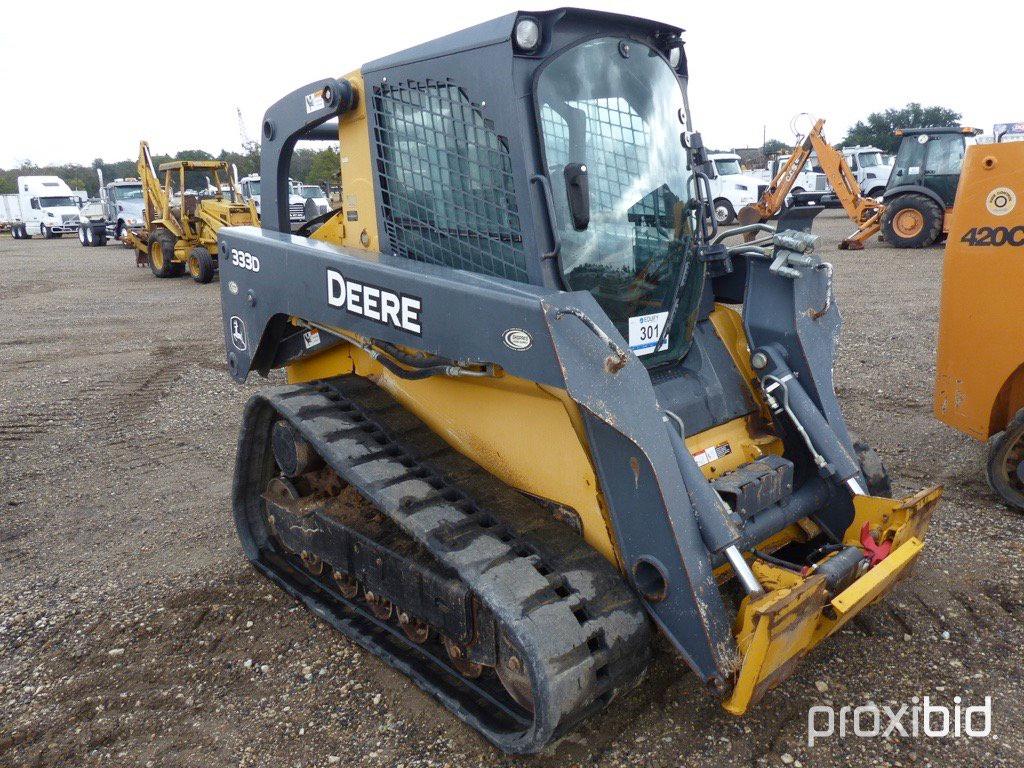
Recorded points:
(931,158)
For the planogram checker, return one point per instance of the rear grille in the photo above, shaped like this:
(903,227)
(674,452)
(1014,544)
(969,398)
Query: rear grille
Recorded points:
(296,211)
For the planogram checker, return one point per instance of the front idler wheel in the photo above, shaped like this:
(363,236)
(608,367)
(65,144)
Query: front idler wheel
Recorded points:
(513,675)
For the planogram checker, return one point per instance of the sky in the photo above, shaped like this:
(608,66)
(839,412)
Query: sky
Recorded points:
(93,85)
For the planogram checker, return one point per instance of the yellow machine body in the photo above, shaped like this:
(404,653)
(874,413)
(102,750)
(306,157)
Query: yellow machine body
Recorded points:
(193,221)
(532,437)
(979,383)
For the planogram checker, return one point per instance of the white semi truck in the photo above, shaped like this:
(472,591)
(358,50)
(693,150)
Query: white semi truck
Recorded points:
(731,189)
(296,203)
(47,207)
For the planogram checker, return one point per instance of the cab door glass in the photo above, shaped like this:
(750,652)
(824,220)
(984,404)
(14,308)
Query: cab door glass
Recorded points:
(943,160)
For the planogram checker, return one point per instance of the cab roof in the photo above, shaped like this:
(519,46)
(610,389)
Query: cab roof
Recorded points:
(500,30)
(938,129)
(193,165)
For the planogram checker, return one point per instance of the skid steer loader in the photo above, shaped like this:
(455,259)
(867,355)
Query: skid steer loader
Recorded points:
(179,228)
(525,426)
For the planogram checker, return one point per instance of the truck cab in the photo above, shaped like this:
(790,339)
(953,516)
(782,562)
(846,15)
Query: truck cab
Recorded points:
(731,188)
(809,187)
(48,206)
(122,204)
(315,201)
(870,166)
(296,202)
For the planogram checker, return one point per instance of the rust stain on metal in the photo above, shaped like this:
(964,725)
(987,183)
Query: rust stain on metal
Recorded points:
(634,464)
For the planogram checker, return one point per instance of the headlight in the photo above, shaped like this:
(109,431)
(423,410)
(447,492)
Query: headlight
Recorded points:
(675,56)
(527,34)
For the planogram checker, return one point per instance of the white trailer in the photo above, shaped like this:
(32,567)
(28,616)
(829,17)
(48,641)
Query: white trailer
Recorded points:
(10,210)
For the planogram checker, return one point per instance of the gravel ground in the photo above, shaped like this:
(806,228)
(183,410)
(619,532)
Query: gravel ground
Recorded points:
(132,631)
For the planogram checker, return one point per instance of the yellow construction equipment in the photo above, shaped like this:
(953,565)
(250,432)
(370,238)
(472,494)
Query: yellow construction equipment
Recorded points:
(979,383)
(864,211)
(918,196)
(180,225)
(538,409)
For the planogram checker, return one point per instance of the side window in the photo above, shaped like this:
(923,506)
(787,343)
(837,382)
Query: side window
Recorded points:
(945,155)
(35,203)
(852,160)
(446,181)
(909,160)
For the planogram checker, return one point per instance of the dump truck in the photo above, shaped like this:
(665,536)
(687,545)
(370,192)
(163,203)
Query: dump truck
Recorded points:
(979,381)
(179,228)
(526,427)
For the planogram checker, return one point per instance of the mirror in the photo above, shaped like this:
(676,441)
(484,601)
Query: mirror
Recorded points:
(577,191)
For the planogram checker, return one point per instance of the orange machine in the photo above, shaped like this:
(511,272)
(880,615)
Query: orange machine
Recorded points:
(865,212)
(979,384)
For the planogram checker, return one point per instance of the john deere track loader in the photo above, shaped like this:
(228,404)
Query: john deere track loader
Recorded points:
(526,428)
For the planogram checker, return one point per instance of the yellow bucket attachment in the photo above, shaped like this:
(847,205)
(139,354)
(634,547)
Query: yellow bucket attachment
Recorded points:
(774,631)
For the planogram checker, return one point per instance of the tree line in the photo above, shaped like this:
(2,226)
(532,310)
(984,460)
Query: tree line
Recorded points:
(310,166)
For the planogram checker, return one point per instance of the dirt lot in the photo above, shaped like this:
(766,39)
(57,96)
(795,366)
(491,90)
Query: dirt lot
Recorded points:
(132,631)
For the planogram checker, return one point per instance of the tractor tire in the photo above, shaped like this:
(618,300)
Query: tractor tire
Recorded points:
(45,232)
(1005,465)
(16,232)
(912,221)
(25,234)
(200,265)
(873,467)
(724,212)
(100,238)
(83,236)
(161,253)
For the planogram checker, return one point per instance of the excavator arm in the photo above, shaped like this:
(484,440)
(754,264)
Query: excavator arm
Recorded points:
(865,212)
(774,197)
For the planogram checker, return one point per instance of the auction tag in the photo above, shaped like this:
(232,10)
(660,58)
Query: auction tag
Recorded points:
(644,331)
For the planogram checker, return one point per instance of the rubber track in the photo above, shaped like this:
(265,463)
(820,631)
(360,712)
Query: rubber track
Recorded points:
(579,629)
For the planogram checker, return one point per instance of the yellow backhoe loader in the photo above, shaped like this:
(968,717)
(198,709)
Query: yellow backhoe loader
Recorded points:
(979,384)
(917,199)
(864,211)
(180,225)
